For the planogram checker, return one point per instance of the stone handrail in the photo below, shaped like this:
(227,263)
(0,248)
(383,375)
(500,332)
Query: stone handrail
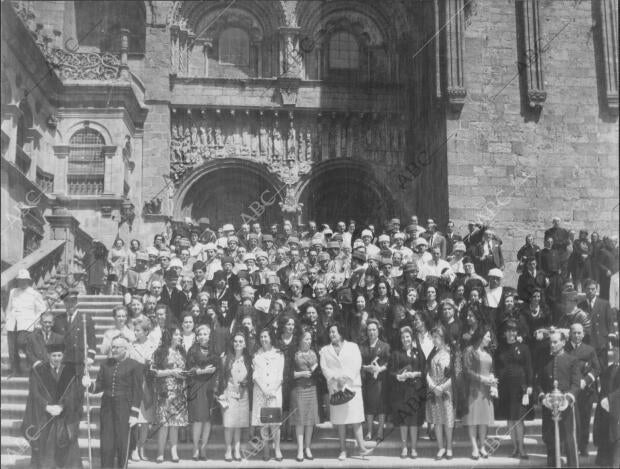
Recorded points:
(46,265)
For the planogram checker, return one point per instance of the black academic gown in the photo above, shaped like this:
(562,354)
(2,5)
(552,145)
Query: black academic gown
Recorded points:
(53,440)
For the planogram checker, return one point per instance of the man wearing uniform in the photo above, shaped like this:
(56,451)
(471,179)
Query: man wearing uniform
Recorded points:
(565,369)
(53,412)
(120,380)
(71,327)
(590,370)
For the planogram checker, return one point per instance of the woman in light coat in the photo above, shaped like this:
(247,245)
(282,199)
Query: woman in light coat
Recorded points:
(341,363)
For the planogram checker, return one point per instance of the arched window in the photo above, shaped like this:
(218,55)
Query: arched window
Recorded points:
(234,47)
(344,51)
(86,163)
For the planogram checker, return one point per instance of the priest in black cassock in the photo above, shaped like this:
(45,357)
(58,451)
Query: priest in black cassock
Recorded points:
(53,411)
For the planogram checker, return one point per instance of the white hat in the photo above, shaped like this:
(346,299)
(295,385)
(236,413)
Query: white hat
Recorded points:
(152,251)
(23,274)
(421,242)
(176,262)
(210,247)
(249,256)
(228,227)
(384,238)
(496,273)
(399,235)
(358,243)
(222,243)
(366,233)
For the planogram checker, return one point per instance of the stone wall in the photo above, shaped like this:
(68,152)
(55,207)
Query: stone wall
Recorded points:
(517,170)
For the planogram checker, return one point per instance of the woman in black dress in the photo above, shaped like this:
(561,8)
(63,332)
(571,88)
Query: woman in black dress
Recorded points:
(375,356)
(379,306)
(201,363)
(514,371)
(408,389)
(537,320)
(286,343)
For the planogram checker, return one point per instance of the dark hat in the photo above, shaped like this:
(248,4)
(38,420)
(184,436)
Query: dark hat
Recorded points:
(171,274)
(510,324)
(243,274)
(333,245)
(267,237)
(219,275)
(323,256)
(386,261)
(467,260)
(273,280)
(69,292)
(204,221)
(227,260)
(51,348)
(199,265)
(411,228)
(252,236)
(411,267)
(344,296)
(337,237)
(360,256)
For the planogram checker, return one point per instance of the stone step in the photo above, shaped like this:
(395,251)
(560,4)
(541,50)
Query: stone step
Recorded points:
(328,460)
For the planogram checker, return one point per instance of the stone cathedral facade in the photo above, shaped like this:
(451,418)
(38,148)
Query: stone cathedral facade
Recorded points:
(123,116)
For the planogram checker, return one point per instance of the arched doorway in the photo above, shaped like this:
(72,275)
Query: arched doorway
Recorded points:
(341,190)
(230,192)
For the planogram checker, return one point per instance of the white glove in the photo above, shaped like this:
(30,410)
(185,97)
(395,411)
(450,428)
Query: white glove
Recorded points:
(582,384)
(133,421)
(605,404)
(86,381)
(525,400)
(89,361)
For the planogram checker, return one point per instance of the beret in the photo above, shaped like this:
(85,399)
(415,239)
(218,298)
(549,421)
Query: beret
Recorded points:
(228,227)
(267,237)
(227,260)
(496,273)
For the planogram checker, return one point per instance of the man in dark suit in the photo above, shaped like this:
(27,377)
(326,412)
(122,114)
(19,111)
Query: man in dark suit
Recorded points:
(602,322)
(38,340)
(488,254)
(531,279)
(451,237)
(171,279)
(181,299)
(590,370)
(561,241)
(565,369)
(71,327)
(435,238)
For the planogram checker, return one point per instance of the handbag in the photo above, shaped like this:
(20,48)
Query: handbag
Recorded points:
(341,397)
(270,414)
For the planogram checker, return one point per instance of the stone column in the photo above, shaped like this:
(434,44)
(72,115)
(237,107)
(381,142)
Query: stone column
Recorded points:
(60,172)
(174,48)
(206,48)
(64,226)
(112,183)
(530,60)
(124,50)
(455,21)
(609,36)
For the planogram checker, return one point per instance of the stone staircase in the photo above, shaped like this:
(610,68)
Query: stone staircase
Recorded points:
(15,450)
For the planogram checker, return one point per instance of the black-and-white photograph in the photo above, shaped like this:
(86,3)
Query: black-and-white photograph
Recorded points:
(309,234)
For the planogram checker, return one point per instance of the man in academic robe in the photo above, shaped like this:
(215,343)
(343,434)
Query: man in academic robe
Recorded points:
(53,410)
(565,369)
(606,432)
(590,370)
(71,327)
(561,242)
(37,340)
(120,380)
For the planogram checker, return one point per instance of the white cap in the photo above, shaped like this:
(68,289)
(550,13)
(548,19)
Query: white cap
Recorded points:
(222,243)
(358,243)
(228,227)
(366,233)
(210,247)
(384,238)
(459,246)
(249,256)
(152,251)
(176,262)
(399,235)
(23,274)
(496,273)
(421,242)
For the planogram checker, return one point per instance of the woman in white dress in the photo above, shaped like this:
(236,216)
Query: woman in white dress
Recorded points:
(142,351)
(341,362)
(268,372)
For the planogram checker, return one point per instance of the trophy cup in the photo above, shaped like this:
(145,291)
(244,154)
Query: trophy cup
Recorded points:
(556,402)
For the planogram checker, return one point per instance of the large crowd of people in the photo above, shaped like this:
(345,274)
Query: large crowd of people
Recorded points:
(272,333)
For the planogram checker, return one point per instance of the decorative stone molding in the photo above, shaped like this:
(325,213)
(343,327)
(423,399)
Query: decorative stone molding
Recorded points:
(287,143)
(530,67)
(83,65)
